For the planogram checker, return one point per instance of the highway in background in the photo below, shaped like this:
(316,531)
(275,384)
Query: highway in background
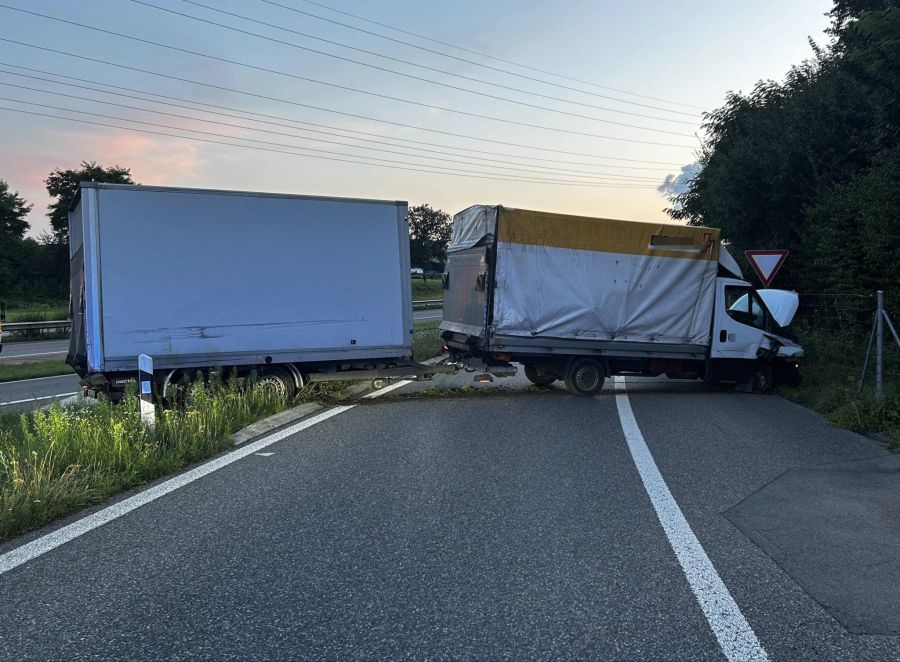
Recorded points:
(668,521)
(29,394)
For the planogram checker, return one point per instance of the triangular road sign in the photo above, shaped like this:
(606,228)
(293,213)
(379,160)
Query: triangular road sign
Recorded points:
(766,263)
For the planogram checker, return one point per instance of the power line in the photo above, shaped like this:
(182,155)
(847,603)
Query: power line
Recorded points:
(480,64)
(321,108)
(327,158)
(529,178)
(468,151)
(695,122)
(581,175)
(347,87)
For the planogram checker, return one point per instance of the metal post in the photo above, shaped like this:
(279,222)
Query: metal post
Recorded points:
(879,346)
(145,377)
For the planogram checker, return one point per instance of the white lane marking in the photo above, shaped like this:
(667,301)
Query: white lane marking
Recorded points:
(735,636)
(265,454)
(51,541)
(22,356)
(35,379)
(388,389)
(43,397)
(40,546)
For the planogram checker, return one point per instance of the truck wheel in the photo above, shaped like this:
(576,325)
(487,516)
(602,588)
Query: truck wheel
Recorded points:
(763,378)
(538,376)
(278,381)
(585,377)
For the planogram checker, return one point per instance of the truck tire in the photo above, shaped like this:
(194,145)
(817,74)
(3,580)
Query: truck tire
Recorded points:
(278,380)
(763,377)
(539,377)
(585,377)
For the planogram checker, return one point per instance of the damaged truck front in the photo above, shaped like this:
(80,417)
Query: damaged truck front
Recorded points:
(580,299)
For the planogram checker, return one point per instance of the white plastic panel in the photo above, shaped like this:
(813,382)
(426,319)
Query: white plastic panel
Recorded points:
(207,273)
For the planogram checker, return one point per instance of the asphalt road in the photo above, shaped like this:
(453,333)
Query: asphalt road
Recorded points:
(28,394)
(39,350)
(497,522)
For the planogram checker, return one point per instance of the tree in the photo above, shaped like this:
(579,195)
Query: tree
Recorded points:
(429,235)
(13,210)
(63,185)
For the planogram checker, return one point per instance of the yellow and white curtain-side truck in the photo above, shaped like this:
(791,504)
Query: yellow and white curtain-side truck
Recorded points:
(581,299)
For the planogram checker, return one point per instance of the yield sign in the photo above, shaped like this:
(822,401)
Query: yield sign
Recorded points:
(766,263)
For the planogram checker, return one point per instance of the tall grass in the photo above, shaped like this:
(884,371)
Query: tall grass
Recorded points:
(427,341)
(56,461)
(830,376)
(38,312)
(423,290)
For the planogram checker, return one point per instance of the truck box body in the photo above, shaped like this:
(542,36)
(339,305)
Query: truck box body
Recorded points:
(205,278)
(520,279)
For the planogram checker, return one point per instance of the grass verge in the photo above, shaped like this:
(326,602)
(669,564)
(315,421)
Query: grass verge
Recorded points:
(831,372)
(427,341)
(38,312)
(55,462)
(424,290)
(11,373)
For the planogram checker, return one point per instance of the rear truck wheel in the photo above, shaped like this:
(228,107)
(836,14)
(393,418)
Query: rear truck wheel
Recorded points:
(763,377)
(585,377)
(539,376)
(278,381)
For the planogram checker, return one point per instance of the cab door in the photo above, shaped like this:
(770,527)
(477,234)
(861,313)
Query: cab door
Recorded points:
(739,322)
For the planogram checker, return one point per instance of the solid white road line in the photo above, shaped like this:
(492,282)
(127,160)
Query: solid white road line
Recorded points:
(43,397)
(735,636)
(387,389)
(40,546)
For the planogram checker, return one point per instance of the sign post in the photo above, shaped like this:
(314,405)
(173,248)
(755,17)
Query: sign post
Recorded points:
(766,263)
(145,385)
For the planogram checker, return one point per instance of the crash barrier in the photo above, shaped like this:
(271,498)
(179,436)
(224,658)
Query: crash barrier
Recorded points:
(36,328)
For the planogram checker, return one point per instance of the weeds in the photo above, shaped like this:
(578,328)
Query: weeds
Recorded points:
(56,461)
(427,341)
(831,372)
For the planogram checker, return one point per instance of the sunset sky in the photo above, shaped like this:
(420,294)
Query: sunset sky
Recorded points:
(666,62)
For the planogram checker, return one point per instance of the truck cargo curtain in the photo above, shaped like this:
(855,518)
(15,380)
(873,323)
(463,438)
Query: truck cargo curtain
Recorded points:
(581,278)
(471,226)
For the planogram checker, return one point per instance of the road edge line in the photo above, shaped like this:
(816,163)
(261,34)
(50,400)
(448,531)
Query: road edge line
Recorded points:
(50,541)
(736,638)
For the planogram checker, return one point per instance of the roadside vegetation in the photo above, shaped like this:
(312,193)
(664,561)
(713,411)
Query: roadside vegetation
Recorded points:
(830,381)
(38,312)
(14,372)
(57,461)
(427,341)
(427,290)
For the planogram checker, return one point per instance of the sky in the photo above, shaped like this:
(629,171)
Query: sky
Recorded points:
(585,107)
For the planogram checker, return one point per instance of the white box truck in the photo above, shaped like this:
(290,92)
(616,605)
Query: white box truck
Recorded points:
(580,299)
(293,288)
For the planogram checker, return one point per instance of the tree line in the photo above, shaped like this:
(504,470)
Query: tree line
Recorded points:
(37,270)
(812,164)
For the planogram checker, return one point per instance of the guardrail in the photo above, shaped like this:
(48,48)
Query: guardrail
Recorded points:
(60,326)
(428,303)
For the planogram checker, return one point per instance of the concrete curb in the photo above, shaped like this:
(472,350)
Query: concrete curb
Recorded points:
(273,423)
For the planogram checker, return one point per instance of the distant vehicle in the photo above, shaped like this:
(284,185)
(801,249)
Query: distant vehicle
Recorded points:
(581,299)
(417,272)
(246,282)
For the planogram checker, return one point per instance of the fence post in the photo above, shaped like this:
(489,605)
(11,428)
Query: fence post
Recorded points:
(879,345)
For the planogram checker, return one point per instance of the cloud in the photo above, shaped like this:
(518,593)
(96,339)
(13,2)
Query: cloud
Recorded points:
(675,184)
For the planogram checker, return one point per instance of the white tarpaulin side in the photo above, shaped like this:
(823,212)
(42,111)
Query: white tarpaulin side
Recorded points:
(566,293)
(471,226)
